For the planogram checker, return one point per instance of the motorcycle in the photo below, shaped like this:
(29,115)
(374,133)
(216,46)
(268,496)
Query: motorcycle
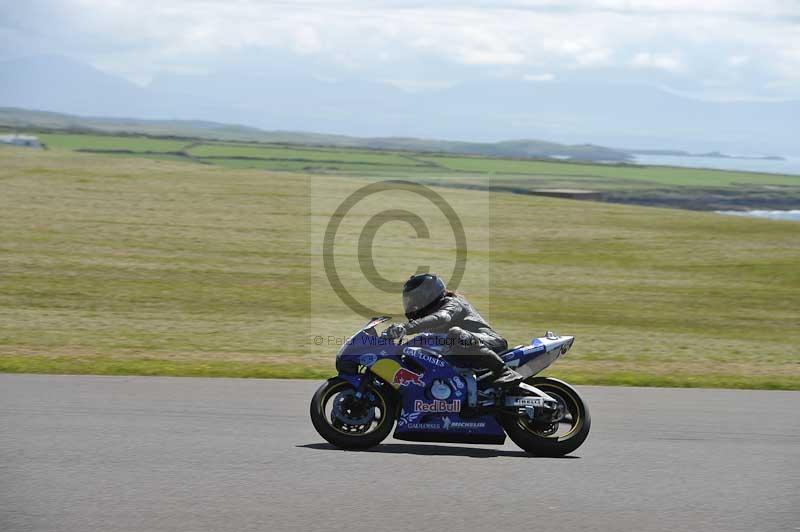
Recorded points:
(382,383)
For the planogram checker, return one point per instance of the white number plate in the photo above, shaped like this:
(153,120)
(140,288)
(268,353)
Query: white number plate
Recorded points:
(524,401)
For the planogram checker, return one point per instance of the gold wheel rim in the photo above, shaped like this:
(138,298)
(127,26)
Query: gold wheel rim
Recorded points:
(577,416)
(335,389)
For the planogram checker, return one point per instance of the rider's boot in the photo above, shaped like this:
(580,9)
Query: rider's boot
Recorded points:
(502,376)
(506,377)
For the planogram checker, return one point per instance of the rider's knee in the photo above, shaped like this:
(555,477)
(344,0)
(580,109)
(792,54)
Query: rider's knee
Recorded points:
(455,333)
(461,337)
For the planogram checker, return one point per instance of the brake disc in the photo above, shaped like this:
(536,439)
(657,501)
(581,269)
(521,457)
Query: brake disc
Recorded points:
(347,410)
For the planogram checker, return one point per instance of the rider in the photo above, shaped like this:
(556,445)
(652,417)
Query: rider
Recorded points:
(430,307)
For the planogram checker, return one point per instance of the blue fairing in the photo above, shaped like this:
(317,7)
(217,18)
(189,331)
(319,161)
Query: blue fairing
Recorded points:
(362,349)
(354,380)
(432,393)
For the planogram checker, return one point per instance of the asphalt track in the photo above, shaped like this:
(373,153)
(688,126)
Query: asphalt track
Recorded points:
(85,454)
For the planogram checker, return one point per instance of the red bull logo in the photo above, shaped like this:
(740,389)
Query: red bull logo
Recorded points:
(404,377)
(437,406)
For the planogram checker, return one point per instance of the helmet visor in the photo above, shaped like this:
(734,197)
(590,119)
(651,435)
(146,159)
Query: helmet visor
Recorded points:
(411,303)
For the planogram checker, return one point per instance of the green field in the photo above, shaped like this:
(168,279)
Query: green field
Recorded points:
(526,174)
(227,151)
(620,174)
(684,188)
(133,265)
(318,166)
(110,142)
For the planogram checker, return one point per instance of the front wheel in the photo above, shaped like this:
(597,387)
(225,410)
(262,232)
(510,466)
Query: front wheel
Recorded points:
(557,438)
(349,422)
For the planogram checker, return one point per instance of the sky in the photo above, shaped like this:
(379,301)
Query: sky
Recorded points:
(719,50)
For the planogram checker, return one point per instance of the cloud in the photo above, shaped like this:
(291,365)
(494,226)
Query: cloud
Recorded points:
(471,56)
(539,77)
(738,60)
(414,86)
(306,40)
(410,40)
(668,62)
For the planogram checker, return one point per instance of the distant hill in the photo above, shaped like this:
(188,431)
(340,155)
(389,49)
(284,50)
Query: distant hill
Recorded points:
(292,97)
(24,119)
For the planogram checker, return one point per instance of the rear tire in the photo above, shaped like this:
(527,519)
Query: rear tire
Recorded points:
(533,440)
(351,440)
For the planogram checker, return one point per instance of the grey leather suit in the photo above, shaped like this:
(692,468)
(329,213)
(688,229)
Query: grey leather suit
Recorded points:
(474,343)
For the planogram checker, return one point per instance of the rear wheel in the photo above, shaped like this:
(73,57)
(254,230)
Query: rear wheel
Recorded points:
(556,438)
(350,422)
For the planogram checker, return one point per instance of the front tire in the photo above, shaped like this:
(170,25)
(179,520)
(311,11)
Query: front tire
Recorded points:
(349,423)
(552,439)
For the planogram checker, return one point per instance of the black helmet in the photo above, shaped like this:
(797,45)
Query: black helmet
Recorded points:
(420,293)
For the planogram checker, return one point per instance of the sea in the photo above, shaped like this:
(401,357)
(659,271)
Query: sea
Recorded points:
(793,215)
(789,165)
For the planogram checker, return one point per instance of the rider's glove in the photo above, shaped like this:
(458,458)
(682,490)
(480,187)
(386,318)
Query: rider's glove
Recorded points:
(395,331)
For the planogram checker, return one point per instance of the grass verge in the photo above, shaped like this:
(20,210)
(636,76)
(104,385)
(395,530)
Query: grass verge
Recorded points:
(76,365)
(70,365)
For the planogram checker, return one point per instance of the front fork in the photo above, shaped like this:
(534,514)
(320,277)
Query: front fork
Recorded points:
(361,383)
(363,386)
(354,380)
